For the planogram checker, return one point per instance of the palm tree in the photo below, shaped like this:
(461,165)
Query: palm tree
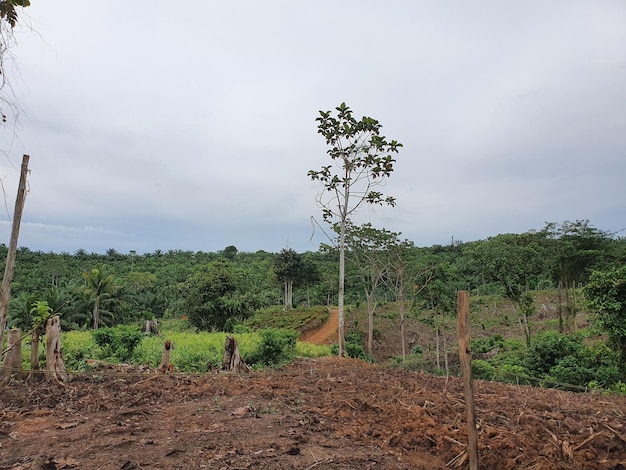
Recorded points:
(99,285)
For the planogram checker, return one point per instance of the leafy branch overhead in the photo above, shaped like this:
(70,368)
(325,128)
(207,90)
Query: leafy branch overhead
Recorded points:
(363,158)
(8,11)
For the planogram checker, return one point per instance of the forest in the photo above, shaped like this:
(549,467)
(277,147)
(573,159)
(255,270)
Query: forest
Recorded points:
(216,291)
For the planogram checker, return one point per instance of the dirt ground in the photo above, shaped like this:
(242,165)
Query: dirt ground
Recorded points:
(325,413)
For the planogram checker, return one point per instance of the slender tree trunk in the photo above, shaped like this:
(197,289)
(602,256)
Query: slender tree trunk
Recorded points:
(290,293)
(437,347)
(560,308)
(445,353)
(342,277)
(96,313)
(34,350)
(402,334)
(5,291)
(285,296)
(371,306)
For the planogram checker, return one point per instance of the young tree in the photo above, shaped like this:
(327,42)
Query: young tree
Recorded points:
(362,160)
(406,279)
(211,296)
(576,250)
(606,294)
(99,285)
(368,249)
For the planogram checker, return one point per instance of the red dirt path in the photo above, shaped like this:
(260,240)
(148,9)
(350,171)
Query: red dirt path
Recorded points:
(325,334)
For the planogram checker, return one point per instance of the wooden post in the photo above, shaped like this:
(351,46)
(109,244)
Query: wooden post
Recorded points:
(5,291)
(465,355)
(12,365)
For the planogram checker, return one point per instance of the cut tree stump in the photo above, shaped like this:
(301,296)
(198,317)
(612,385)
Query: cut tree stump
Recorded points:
(232,360)
(12,365)
(166,358)
(55,366)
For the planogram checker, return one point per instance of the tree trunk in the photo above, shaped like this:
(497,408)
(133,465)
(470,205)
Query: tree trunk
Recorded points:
(342,279)
(437,347)
(55,366)
(34,355)
(402,335)
(371,306)
(166,358)
(96,313)
(5,291)
(560,309)
(12,365)
(232,360)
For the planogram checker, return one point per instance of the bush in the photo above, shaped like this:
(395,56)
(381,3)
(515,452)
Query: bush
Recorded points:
(548,349)
(77,346)
(277,346)
(118,342)
(354,346)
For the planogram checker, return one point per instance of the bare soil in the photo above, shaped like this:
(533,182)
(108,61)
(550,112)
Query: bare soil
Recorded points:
(325,413)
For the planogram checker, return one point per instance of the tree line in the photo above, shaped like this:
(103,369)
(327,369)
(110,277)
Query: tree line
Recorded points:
(90,289)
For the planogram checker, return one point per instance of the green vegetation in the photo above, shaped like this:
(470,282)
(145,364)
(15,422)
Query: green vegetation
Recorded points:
(547,307)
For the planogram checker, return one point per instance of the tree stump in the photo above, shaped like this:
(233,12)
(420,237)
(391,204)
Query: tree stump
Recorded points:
(150,327)
(232,360)
(166,358)
(55,366)
(12,365)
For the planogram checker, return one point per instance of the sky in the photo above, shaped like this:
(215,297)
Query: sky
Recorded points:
(153,126)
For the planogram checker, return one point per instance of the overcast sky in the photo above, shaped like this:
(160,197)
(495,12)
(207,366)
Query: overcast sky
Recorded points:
(191,126)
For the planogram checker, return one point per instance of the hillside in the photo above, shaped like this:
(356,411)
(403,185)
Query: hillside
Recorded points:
(326,414)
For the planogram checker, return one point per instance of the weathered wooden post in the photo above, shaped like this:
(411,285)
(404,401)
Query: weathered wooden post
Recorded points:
(465,355)
(12,364)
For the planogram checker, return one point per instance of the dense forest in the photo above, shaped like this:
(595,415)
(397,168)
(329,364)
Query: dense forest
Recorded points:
(213,287)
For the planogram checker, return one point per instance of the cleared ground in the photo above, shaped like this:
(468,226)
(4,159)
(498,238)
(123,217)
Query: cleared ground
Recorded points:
(325,414)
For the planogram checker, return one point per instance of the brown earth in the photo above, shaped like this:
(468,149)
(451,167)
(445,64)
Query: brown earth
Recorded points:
(325,413)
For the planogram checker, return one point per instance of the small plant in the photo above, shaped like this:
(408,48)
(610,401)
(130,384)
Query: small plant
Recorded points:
(276,346)
(118,342)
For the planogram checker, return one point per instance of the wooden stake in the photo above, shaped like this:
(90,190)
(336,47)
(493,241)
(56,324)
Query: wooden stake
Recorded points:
(465,355)
(5,291)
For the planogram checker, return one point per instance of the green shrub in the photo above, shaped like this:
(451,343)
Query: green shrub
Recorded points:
(354,346)
(117,342)
(484,345)
(483,370)
(277,346)
(78,346)
(312,350)
(548,349)
(240,329)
